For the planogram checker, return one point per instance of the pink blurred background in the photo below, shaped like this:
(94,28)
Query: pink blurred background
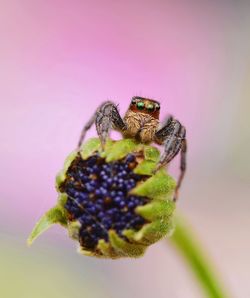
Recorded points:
(59,60)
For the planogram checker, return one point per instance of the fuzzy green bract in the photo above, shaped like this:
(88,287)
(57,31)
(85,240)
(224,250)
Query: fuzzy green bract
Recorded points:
(158,212)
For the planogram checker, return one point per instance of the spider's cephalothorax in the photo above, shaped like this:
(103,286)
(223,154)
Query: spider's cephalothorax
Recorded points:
(142,119)
(141,122)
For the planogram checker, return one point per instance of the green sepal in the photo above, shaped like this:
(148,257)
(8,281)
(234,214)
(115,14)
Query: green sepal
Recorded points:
(91,146)
(151,158)
(55,215)
(146,167)
(153,232)
(86,253)
(120,149)
(149,164)
(156,210)
(124,248)
(108,148)
(129,233)
(103,251)
(159,187)
(73,229)
(62,199)
(106,250)
(61,176)
(151,153)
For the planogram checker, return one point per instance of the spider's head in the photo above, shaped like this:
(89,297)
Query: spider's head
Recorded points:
(145,106)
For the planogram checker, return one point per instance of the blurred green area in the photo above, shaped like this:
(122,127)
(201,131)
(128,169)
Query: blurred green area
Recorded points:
(27,273)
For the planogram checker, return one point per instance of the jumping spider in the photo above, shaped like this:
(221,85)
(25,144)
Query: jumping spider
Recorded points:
(141,122)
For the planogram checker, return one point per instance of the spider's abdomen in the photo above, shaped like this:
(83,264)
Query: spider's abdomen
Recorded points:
(140,126)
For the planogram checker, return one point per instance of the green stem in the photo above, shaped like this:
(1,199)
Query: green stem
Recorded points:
(191,250)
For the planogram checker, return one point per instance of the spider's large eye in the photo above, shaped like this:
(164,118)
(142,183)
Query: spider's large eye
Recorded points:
(150,108)
(133,101)
(140,105)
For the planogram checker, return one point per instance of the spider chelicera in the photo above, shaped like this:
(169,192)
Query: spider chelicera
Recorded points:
(141,122)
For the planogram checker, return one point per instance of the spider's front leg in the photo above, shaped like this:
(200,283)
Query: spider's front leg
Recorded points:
(105,117)
(173,137)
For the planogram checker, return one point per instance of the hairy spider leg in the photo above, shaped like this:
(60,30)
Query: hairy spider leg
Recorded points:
(86,127)
(172,136)
(183,166)
(105,117)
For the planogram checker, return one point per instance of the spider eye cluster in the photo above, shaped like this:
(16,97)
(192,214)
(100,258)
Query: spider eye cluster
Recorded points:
(141,105)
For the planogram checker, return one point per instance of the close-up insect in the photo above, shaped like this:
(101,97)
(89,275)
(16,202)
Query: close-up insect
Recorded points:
(141,122)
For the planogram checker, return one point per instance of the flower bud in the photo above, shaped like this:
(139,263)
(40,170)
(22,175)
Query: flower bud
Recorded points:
(111,201)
